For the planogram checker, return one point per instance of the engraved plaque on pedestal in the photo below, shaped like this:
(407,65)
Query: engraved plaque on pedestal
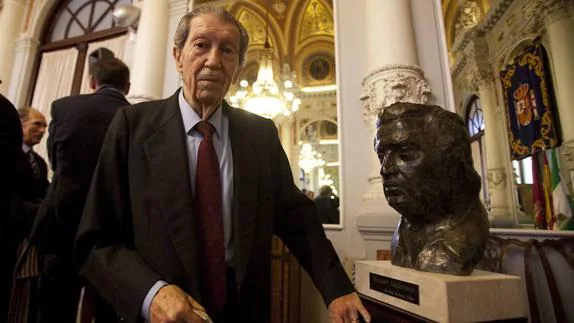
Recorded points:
(480,297)
(394,287)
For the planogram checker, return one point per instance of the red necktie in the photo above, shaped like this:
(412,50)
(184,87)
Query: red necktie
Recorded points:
(208,207)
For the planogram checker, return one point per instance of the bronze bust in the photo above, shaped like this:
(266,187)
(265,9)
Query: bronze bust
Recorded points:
(429,178)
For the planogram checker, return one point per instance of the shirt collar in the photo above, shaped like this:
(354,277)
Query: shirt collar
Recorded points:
(26,148)
(190,117)
(109,87)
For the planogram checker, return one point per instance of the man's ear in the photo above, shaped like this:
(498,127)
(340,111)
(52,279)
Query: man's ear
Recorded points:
(127,88)
(177,56)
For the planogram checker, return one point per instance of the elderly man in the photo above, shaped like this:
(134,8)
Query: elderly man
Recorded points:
(33,128)
(188,192)
(429,178)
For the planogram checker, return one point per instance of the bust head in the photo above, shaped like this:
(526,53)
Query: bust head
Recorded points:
(429,178)
(426,162)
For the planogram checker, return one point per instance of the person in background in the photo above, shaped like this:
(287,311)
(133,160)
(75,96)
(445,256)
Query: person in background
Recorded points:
(32,174)
(79,124)
(188,192)
(310,194)
(33,130)
(327,205)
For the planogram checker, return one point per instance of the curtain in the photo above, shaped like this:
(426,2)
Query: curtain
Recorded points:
(116,45)
(54,81)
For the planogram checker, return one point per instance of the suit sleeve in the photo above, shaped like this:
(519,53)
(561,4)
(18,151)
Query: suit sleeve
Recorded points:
(104,248)
(297,224)
(51,148)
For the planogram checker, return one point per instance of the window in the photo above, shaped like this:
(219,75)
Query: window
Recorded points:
(78,23)
(475,126)
(523,181)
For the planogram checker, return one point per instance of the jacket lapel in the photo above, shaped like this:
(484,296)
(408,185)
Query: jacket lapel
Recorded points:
(244,188)
(166,152)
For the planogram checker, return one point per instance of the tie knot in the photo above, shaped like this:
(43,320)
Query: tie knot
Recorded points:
(205,128)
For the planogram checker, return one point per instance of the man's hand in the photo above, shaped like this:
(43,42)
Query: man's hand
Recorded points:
(344,309)
(173,305)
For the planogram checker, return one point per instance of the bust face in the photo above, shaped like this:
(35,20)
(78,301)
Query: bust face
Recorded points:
(410,176)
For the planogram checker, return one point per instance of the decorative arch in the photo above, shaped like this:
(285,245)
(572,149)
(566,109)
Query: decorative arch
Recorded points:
(309,11)
(42,21)
(311,121)
(520,45)
(246,9)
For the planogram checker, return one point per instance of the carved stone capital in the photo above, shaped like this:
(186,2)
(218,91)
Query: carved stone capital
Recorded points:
(476,75)
(496,178)
(547,10)
(393,83)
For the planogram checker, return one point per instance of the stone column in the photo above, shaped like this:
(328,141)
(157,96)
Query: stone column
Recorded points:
(287,138)
(559,25)
(172,79)
(11,18)
(147,73)
(394,77)
(482,80)
(25,55)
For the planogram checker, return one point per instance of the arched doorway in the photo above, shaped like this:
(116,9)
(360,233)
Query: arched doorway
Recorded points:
(75,28)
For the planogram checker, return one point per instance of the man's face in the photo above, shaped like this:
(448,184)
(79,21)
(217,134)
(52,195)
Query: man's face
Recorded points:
(209,60)
(34,128)
(406,167)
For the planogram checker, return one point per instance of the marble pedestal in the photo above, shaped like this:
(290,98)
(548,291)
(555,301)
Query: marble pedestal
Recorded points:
(481,297)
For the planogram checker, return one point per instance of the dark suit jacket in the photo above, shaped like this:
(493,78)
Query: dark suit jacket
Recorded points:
(11,148)
(30,192)
(327,209)
(138,225)
(77,130)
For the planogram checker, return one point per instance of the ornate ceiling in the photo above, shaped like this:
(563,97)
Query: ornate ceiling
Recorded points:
(462,14)
(301,33)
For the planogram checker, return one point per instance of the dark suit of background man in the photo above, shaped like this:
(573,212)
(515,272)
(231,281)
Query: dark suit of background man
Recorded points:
(327,205)
(11,148)
(32,182)
(79,124)
(139,241)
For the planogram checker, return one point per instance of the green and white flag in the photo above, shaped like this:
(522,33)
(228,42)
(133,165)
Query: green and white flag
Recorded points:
(560,198)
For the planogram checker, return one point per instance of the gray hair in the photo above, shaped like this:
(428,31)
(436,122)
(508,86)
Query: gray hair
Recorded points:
(182,31)
(24,113)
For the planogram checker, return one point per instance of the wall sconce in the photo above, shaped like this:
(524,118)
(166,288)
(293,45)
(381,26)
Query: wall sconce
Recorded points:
(127,15)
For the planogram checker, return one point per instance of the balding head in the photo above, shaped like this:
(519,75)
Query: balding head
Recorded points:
(33,125)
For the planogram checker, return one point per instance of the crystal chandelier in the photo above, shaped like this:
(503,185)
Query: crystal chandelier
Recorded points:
(265,97)
(309,159)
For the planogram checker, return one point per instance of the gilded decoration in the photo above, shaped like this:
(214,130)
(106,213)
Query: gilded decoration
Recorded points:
(317,21)
(255,27)
(319,69)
